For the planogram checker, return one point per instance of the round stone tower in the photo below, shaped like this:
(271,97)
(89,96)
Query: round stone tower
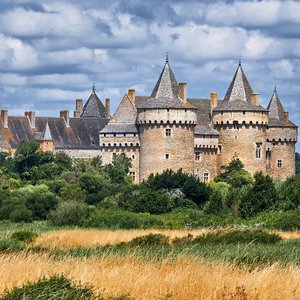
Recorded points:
(166,124)
(242,123)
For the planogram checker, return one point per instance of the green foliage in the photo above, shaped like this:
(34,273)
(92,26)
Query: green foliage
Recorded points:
(261,196)
(55,287)
(234,174)
(119,168)
(68,213)
(143,199)
(238,236)
(148,240)
(290,193)
(24,236)
(21,214)
(190,185)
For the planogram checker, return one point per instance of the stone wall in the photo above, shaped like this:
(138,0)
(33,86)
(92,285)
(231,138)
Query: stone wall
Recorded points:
(207,163)
(159,152)
(80,153)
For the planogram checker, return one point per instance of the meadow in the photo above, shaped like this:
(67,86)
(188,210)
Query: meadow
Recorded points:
(153,264)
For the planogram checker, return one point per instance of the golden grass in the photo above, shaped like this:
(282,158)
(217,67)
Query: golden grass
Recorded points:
(67,239)
(185,278)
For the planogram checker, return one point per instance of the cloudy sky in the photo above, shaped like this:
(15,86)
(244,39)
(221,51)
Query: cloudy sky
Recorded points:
(52,51)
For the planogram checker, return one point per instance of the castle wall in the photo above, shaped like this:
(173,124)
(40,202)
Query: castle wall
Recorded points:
(155,146)
(80,153)
(205,164)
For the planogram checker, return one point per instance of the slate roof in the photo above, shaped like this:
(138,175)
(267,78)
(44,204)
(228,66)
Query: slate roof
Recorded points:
(124,118)
(43,136)
(238,95)
(276,113)
(93,108)
(81,134)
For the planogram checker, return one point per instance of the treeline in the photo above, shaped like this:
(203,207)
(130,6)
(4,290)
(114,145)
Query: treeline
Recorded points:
(45,186)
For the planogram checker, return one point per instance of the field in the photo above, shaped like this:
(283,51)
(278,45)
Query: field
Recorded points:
(157,267)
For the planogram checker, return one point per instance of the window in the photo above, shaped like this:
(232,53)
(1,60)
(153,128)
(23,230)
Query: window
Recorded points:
(132,175)
(205,177)
(168,131)
(235,124)
(114,156)
(133,156)
(244,112)
(279,163)
(258,151)
(197,156)
(167,156)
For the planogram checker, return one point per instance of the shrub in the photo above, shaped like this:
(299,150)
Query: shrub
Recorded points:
(238,236)
(55,287)
(11,245)
(290,193)
(149,240)
(68,213)
(24,236)
(21,214)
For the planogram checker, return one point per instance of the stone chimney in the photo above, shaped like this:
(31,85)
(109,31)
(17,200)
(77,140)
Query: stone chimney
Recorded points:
(31,117)
(255,99)
(131,95)
(286,116)
(4,118)
(107,108)
(65,115)
(79,108)
(213,100)
(182,91)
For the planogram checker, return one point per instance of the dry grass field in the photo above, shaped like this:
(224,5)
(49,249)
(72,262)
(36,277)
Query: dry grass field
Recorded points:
(185,278)
(67,239)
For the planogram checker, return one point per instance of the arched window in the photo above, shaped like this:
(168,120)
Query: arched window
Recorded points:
(258,151)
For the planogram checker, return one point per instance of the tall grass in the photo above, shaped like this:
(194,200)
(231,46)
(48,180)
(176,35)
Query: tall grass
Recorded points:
(186,277)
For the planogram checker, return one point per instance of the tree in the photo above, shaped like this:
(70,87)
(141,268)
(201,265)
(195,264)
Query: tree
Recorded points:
(119,168)
(261,196)
(234,174)
(289,193)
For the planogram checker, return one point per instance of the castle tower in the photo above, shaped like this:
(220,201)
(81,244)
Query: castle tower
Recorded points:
(166,126)
(242,123)
(45,139)
(281,140)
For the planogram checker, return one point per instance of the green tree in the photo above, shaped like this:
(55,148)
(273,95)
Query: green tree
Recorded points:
(289,192)
(261,196)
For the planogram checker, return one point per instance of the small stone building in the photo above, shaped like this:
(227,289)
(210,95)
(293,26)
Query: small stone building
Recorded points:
(167,130)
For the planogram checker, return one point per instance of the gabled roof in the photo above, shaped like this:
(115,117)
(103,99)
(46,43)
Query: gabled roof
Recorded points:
(238,95)
(276,113)
(93,108)
(124,118)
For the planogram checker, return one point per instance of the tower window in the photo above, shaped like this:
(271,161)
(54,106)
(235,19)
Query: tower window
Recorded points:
(235,124)
(244,112)
(258,151)
(168,132)
(279,163)
(133,156)
(205,177)
(167,156)
(132,175)
(197,156)
(114,156)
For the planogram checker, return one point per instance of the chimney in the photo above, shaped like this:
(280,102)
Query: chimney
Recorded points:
(79,108)
(4,118)
(213,100)
(31,117)
(255,99)
(131,95)
(65,115)
(286,116)
(182,91)
(107,108)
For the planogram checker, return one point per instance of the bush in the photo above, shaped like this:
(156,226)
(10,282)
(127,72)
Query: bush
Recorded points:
(55,287)
(24,236)
(290,193)
(21,214)
(149,240)
(68,213)
(238,236)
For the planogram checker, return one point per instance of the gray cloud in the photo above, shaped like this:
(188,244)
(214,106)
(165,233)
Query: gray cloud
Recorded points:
(52,51)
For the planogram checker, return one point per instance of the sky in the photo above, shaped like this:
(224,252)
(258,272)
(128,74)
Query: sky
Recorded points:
(51,52)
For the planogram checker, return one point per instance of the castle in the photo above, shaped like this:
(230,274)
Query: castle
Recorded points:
(167,130)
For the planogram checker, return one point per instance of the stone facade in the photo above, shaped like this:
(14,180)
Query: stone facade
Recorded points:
(167,130)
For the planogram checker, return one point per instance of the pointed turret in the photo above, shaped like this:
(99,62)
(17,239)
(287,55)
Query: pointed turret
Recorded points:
(47,133)
(93,108)
(275,107)
(166,86)
(239,96)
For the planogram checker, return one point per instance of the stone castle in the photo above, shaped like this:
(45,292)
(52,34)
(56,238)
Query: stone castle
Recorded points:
(167,130)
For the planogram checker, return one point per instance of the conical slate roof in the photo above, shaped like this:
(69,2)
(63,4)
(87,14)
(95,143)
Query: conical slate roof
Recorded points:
(47,134)
(238,95)
(276,110)
(93,108)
